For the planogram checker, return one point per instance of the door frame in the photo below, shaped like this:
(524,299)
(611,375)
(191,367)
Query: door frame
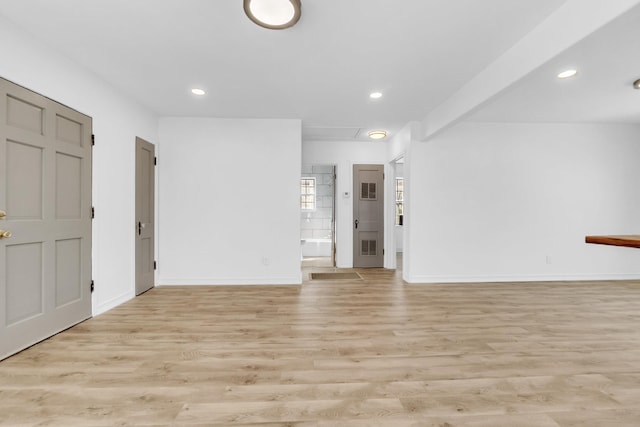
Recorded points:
(390,210)
(334,227)
(334,193)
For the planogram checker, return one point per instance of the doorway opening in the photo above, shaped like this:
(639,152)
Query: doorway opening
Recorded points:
(399,210)
(317,215)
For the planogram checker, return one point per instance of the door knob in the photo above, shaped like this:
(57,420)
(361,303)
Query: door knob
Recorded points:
(5,234)
(2,214)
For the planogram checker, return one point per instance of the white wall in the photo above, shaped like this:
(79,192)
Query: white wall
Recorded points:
(117,120)
(492,202)
(229,208)
(344,154)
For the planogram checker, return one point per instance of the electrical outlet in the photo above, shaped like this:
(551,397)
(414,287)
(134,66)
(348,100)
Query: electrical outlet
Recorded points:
(265,261)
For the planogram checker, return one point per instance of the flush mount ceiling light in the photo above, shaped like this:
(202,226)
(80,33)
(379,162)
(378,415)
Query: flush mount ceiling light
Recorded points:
(273,14)
(377,134)
(197,91)
(375,95)
(636,84)
(567,73)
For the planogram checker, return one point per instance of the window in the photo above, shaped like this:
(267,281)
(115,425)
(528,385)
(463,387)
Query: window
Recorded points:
(308,194)
(399,200)
(368,191)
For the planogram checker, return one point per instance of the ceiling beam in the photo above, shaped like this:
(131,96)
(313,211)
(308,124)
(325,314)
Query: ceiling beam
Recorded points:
(572,22)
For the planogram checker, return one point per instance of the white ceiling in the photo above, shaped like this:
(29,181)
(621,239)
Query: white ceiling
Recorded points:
(417,52)
(607,62)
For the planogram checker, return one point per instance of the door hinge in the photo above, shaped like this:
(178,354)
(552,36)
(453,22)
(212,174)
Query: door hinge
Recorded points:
(383,252)
(93,140)
(93,212)
(92,286)
(155,265)
(155,161)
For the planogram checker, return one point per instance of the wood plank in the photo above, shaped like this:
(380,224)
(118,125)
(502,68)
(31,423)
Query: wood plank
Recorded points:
(374,352)
(630,240)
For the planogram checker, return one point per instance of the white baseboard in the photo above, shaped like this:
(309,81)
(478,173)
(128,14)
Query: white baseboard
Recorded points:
(221,281)
(112,303)
(432,279)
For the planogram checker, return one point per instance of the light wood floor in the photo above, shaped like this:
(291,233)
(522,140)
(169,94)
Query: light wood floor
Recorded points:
(372,352)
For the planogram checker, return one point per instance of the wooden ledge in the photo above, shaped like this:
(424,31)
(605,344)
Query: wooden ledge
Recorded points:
(630,240)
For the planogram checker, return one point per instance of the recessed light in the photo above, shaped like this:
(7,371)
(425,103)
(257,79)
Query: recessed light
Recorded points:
(567,73)
(377,134)
(197,91)
(636,84)
(375,95)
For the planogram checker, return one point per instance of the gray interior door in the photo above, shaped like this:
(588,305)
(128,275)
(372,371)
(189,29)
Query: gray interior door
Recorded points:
(45,191)
(145,223)
(368,215)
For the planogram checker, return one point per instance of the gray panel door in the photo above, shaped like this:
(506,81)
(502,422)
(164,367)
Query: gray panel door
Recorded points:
(145,223)
(45,191)
(368,215)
